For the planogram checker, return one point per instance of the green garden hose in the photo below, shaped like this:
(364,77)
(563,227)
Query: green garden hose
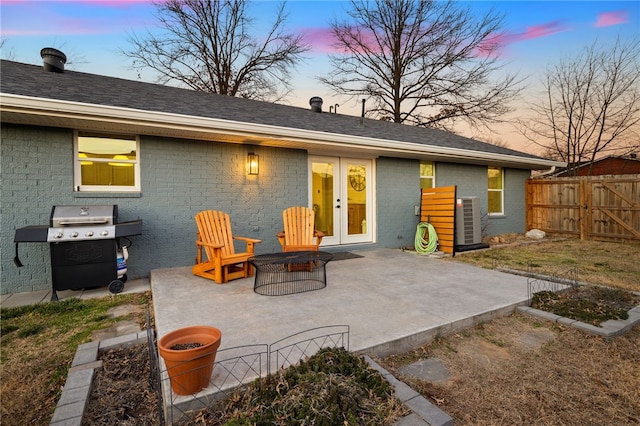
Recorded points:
(426,246)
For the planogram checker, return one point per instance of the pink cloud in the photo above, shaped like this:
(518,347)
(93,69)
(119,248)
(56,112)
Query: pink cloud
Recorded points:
(543,30)
(321,40)
(496,43)
(608,19)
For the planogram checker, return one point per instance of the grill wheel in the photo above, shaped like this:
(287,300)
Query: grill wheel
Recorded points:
(116,286)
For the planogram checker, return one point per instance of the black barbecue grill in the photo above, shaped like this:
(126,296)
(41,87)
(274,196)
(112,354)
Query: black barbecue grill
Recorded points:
(86,249)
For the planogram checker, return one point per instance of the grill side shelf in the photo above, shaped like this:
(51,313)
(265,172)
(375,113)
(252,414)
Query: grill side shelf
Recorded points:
(31,234)
(126,229)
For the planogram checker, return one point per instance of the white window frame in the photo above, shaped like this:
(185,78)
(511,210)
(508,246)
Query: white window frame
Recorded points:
(433,177)
(77,168)
(501,191)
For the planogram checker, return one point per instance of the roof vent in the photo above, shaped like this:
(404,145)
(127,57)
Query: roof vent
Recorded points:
(53,60)
(316,104)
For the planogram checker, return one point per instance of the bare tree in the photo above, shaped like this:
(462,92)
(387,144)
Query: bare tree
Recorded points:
(5,52)
(425,62)
(208,45)
(591,105)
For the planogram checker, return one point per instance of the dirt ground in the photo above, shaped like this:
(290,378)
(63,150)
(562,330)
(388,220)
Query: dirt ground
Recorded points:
(518,370)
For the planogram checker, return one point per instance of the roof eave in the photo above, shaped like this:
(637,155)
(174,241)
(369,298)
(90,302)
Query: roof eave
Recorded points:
(85,116)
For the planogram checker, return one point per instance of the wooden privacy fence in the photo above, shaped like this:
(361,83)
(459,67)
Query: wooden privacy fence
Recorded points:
(438,207)
(591,207)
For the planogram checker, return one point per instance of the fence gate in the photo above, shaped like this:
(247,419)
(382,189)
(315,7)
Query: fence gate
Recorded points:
(591,207)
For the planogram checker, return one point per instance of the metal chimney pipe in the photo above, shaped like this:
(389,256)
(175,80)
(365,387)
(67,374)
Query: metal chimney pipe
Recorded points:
(316,104)
(53,60)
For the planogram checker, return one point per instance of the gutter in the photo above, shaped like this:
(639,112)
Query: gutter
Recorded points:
(259,134)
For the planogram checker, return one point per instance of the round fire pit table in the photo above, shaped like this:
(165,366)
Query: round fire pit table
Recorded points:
(278,274)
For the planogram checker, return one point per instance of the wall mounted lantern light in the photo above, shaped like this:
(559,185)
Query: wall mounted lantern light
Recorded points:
(253,163)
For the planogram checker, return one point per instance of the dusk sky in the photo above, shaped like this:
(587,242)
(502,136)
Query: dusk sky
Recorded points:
(92,32)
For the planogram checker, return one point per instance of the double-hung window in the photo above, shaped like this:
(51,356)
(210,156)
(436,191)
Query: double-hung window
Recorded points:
(427,175)
(496,192)
(106,162)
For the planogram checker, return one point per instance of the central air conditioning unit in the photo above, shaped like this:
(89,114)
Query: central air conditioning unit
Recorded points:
(468,225)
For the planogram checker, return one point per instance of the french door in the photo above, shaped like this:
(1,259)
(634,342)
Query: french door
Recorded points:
(341,195)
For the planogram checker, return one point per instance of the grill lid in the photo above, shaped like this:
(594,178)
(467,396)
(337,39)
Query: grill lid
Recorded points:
(62,216)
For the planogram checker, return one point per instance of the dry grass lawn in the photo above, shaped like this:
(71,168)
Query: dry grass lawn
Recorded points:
(598,262)
(38,345)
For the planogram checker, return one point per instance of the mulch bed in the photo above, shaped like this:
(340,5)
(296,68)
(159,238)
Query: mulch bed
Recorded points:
(122,392)
(590,304)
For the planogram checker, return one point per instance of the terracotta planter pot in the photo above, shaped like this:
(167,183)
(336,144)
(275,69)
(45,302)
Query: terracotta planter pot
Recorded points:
(190,369)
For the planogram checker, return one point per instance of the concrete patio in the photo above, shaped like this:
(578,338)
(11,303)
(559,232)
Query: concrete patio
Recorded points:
(393,301)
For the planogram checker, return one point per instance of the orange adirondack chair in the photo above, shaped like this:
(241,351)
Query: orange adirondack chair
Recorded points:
(221,263)
(299,230)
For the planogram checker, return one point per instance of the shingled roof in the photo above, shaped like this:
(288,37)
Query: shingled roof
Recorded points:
(30,82)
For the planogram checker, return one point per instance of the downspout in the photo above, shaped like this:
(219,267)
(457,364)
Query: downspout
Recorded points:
(551,171)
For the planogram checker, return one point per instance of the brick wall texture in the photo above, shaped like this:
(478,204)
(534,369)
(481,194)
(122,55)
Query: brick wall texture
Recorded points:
(181,177)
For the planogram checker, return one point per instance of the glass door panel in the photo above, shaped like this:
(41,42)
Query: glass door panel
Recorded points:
(357,209)
(340,194)
(356,200)
(323,195)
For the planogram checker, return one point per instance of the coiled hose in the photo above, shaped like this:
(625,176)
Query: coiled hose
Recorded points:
(426,246)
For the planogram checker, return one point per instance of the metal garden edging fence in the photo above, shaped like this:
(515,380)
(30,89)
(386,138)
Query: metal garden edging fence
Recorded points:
(237,367)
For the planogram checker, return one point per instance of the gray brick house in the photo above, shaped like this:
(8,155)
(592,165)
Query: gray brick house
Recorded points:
(163,153)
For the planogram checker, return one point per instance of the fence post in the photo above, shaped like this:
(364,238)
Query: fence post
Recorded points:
(528,202)
(583,206)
